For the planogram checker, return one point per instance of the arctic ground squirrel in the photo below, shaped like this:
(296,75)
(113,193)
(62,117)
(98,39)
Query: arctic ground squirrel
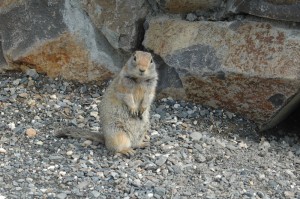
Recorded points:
(124,109)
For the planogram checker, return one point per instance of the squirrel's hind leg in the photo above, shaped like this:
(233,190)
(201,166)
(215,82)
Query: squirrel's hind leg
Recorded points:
(119,143)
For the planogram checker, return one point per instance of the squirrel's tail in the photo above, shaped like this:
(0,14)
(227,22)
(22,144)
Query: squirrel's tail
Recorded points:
(79,133)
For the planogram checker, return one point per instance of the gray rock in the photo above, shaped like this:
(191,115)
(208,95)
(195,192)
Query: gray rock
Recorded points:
(250,193)
(149,184)
(191,17)
(83,184)
(273,184)
(121,30)
(32,73)
(61,195)
(289,194)
(196,136)
(115,175)
(176,169)
(200,158)
(161,160)
(150,166)
(229,114)
(210,195)
(136,183)
(204,113)
(260,194)
(273,9)
(160,191)
(96,194)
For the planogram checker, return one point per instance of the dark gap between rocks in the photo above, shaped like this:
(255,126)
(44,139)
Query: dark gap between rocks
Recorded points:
(289,126)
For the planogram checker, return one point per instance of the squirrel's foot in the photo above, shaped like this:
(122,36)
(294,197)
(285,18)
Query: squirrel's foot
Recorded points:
(144,145)
(128,152)
(146,138)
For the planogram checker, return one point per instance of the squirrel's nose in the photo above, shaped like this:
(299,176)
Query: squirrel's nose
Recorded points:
(142,70)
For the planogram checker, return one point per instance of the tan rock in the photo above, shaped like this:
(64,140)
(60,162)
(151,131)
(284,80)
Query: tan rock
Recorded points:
(66,57)
(31,133)
(23,95)
(251,68)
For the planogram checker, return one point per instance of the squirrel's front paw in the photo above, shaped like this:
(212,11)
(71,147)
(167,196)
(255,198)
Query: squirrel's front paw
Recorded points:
(134,112)
(141,111)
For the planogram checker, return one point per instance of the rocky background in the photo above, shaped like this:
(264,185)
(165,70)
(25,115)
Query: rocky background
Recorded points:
(241,56)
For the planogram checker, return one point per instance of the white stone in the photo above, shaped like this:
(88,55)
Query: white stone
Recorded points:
(53,97)
(2,150)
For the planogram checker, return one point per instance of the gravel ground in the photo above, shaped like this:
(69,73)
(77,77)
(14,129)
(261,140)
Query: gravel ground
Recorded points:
(195,152)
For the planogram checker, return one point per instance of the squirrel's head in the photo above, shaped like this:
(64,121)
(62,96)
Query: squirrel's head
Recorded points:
(141,64)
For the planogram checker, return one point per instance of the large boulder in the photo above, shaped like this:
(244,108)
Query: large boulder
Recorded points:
(55,38)
(59,38)
(251,68)
(120,21)
(286,10)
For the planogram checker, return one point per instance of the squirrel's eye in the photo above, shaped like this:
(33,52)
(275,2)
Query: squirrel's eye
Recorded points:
(151,61)
(134,58)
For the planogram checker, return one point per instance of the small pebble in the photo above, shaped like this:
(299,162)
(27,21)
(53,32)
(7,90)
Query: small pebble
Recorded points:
(196,136)
(2,150)
(161,160)
(51,168)
(39,143)
(31,132)
(191,17)
(61,195)
(12,126)
(53,97)
(289,194)
(96,194)
(23,95)
(176,106)
(16,82)
(94,114)
(32,73)
(160,191)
